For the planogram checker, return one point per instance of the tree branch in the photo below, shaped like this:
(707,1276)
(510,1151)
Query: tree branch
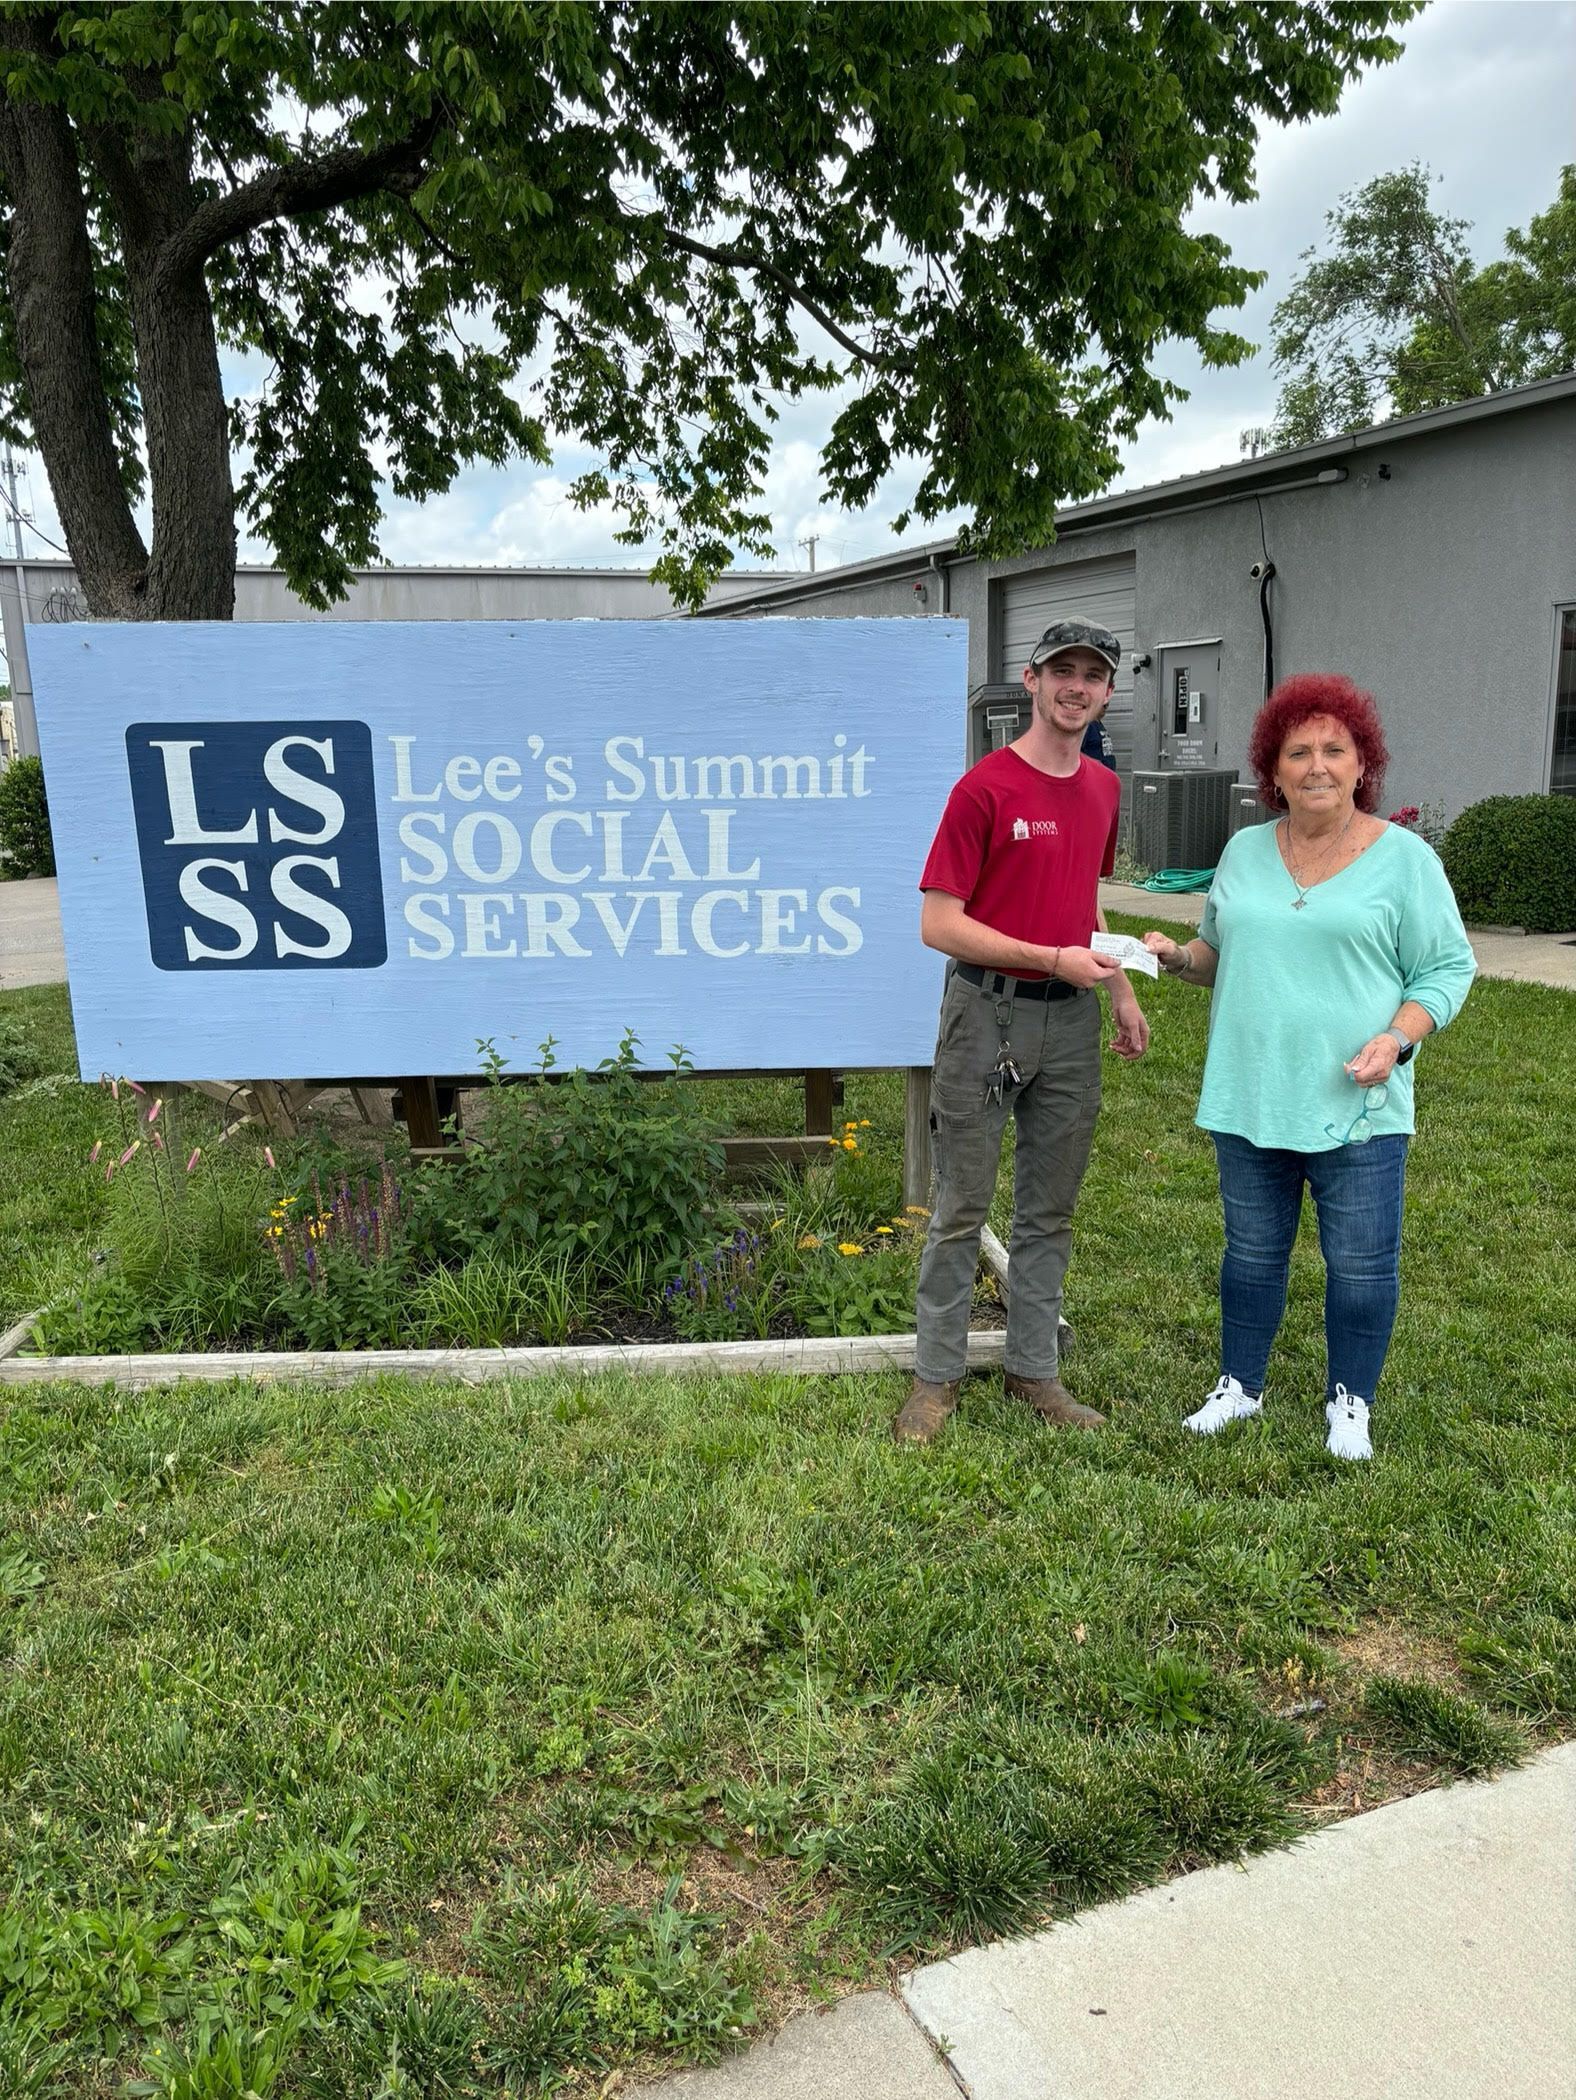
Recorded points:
(737,259)
(299,187)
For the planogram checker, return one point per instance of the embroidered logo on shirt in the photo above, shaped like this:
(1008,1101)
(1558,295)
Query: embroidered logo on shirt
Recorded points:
(1039,828)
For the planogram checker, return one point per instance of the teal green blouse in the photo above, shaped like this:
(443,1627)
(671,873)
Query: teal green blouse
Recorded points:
(1298,993)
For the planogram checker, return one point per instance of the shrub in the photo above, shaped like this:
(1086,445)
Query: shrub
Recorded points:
(593,1165)
(1512,862)
(26,847)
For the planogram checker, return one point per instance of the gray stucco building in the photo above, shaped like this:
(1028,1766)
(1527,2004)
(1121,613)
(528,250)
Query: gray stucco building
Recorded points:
(1433,559)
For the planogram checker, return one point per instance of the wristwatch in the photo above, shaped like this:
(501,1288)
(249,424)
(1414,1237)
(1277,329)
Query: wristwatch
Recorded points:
(1407,1045)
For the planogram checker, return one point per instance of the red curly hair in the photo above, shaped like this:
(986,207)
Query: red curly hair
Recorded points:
(1297,700)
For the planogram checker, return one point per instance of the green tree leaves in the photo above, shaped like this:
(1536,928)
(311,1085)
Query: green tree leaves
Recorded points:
(1395,318)
(473,231)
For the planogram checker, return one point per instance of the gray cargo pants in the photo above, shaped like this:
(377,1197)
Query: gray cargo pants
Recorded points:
(1056,1048)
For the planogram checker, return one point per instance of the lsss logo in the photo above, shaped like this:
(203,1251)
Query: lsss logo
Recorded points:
(259,844)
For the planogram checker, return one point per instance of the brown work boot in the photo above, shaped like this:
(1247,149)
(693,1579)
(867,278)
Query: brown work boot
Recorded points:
(1050,1398)
(924,1413)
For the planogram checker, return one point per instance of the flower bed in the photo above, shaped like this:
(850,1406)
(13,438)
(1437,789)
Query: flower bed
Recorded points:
(587,1209)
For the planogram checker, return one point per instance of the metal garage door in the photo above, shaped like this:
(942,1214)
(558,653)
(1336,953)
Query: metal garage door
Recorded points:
(1101,591)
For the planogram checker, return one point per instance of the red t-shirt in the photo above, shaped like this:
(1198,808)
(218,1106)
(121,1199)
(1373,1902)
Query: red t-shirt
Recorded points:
(1025,850)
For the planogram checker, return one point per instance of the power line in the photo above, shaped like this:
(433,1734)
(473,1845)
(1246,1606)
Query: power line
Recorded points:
(19,518)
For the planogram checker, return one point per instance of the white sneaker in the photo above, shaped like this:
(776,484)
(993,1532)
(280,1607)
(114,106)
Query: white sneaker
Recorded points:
(1347,1416)
(1227,1403)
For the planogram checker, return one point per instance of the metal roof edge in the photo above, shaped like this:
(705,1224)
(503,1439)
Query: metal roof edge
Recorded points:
(1155,498)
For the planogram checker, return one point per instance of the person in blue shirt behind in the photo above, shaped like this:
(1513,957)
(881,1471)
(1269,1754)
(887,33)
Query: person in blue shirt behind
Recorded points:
(1334,946)
(1097,742)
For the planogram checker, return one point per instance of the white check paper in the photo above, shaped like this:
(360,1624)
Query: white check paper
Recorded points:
(1130,953)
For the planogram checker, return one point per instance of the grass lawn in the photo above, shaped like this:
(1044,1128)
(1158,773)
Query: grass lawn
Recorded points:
(423,1739)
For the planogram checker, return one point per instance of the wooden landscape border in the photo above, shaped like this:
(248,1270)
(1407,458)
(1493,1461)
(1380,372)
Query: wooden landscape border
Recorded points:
(813,1356)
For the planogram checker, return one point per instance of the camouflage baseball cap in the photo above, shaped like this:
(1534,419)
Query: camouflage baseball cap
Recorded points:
(1076,634)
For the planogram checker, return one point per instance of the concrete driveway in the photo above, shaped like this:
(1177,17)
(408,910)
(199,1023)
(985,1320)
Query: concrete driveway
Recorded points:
(30,946)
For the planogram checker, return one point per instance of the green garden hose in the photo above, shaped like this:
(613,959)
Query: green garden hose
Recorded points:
(1174,880)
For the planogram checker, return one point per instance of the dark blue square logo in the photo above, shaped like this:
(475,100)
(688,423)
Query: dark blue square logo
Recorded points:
(259,845)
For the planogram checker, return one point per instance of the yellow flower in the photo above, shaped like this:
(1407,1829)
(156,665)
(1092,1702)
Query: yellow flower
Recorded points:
(850,1126)
(850,1144)
(849,1247)
(864,1123)
(809,1240)
(778,1224)
(916,1210)
(834,1141)
(883,1232)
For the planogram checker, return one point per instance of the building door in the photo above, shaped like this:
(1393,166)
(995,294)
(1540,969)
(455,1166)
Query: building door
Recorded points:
(1188,692)
(1102,592)
(1562,758)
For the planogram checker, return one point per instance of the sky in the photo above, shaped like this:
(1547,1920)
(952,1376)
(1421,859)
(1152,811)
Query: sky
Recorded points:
(1481,95)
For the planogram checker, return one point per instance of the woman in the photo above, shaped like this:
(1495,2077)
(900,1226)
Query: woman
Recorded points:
(1334,946)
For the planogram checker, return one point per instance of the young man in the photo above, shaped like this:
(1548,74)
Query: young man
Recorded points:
(1012,895)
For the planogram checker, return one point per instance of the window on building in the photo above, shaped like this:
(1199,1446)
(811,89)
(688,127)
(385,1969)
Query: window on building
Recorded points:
(1562,766)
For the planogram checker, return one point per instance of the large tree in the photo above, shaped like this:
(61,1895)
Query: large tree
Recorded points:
(1396,317)
(459,232)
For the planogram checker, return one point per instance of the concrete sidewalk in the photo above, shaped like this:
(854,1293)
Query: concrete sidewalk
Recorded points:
(31,951)
(1528,958)
(1425,1951)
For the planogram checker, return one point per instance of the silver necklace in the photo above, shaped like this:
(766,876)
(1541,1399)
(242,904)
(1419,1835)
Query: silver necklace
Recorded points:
(1302,888)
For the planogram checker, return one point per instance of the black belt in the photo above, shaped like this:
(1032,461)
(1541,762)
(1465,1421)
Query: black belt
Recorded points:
(995,983)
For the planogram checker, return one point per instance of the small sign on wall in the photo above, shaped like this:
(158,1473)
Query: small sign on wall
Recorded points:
(339,850)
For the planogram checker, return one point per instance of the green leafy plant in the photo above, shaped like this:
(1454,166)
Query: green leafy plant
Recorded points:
(21,1057)
(1511,860)
(854,1286)
(727,1293)
(498,1296)
(586,1165)
(586,1981)
(26,847)
(1166,1693)
(344,1264)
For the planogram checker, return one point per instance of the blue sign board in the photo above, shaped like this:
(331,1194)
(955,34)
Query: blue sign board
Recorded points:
(315,850)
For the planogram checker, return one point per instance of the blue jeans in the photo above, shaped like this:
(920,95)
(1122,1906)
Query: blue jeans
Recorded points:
(1357,1193)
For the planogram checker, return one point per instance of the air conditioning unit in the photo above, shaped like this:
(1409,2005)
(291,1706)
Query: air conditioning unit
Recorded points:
(1246,808)
(1181,819)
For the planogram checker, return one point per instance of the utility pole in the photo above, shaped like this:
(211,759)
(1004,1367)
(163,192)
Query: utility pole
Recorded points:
(14,616)
(811,543)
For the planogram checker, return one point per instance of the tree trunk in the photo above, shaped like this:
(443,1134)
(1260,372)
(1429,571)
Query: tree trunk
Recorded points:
(190,574)
(49,264)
